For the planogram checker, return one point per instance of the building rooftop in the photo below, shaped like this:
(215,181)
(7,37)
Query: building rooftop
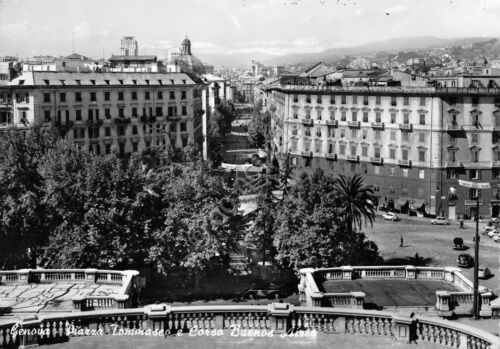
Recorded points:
(132,58)
(45,78)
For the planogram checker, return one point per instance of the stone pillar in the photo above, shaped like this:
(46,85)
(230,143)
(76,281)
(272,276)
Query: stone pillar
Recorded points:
(443,303)
(29,322)
(279,316)
(485,310)
(90,275)
(358,300)
(402,329)
(23,276)
(411,272)
(121,301)
(157,316)
(449,274)
(347,273)
(78,303)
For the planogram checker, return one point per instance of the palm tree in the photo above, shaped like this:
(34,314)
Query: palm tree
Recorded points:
(355,200)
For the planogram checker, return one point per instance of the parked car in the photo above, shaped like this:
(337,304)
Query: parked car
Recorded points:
(465,260)
(270,291)
(390,216)
(483,272)
(492,233)
(496,238)
(440,221)
(486,230)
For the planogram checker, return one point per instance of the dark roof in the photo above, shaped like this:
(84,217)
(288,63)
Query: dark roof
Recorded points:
(132,58)
(76,56)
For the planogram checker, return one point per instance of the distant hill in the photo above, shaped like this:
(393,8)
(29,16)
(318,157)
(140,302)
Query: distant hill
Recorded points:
(390,46)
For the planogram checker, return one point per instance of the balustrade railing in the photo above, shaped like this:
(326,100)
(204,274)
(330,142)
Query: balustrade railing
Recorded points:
(275,318)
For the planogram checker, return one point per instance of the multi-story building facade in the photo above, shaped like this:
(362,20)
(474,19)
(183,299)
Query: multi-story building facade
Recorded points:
(411,143)
(132,114)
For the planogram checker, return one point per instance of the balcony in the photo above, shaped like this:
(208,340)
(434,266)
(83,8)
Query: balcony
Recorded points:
(331,156)
(378,161)
(378,125)
(333,123)
(406,127)
(94,122)
(63,125)
(306,153)
(451,128)
(5,103)
(453,164)
(122,121)
(354,124)
(495,163)
(308,122)
(404,163)
(353,158)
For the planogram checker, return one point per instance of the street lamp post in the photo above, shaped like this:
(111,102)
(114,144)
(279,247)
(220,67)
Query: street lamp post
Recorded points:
(477,187)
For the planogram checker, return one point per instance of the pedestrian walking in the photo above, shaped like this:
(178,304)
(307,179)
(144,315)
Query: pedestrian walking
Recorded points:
(401,243)
(461,222)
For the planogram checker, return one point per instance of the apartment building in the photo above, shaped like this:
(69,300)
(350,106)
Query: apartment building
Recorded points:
(411,143)
(132,114)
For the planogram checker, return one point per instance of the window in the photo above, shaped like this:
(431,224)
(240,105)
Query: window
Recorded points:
(62,97)
(422,119)
(294,145)
(392,171)
(393,135)
(378,117)
(318,100)
(342,133)
(421,155)
(330,148)
(295,115)
(495,173)
(318,131)
(392,153)
(46,97)
(343,99)
(343,115)
(354,133)
(393,118)
(172,94)
(134,95)
(134,129)
(78,116)
(160,95)
(406,118)
(106,96)
(378,134)
(318,114)
(295,98)
(421,137)
(134,112)
(405,136)
(474,174)
(307,131)
(404,154)
(308,99)
(107,131)
(376,170)
(134,147)
(353,167)
(94,132)
(147,95)
(121,131)
(331,132)
(421,174)
(365,100)
(159,111)
(393,101)
(365,116)
(406,100)
(475,137)
(78,96)
(93,96)
(120,96)
(47,115)
(474,194)
(107,113)
(364,151)
(90,115)
(405,172)
(184,110)
(332,99)
(475,101)
(377,100)
(422,101)
(376,152)
(183,95)
(354,116)
(475,155)
(121,112)
(342,149)
(365,134)
(354,99)
(172,111)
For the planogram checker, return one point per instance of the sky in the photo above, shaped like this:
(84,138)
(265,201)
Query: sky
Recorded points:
(272,27)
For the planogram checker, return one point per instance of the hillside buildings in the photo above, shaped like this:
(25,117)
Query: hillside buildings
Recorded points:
(411,141)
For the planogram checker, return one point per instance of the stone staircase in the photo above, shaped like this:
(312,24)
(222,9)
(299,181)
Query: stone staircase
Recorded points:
(239,263)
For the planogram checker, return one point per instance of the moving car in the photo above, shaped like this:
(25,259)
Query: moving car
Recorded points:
(483,272)
(465,260)
(496,238)
(486,230)
(440,221)
(492,233)
(390,216)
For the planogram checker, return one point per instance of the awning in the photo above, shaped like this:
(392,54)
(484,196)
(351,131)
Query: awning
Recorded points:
(417,203)
(402,201)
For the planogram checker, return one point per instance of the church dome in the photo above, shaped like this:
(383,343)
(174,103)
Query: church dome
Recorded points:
(188,62)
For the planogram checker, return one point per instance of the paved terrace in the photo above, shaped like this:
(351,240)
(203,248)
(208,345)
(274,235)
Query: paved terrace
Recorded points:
(391,293)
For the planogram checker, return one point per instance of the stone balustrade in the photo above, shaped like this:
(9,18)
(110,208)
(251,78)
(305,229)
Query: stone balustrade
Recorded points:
(447,303)
(121,300)
(276,318)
